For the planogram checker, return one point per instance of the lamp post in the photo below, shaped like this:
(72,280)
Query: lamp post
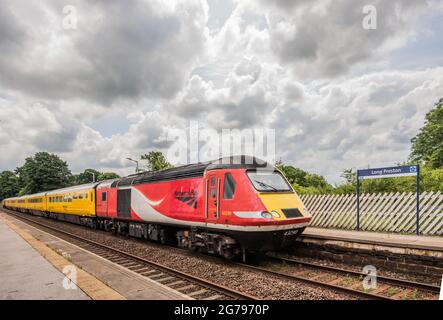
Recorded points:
(136,162)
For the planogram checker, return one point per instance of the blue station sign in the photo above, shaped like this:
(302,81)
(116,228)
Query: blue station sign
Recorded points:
(388,172)
(391,172)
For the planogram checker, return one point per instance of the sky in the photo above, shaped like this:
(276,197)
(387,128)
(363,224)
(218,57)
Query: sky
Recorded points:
(99,81)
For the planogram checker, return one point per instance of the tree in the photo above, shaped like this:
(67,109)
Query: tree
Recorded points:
(87,176)
(427,145)
(107,176)
(43,172)
(294,175)
(349,175)
(9,186)
(304,182)
(156,161)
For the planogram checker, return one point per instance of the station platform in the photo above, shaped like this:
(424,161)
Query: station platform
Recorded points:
(382,239)
(45,256)
(25,274)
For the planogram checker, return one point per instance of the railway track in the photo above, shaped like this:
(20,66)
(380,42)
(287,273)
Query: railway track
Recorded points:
(194,287)
(347,281)
(339,280)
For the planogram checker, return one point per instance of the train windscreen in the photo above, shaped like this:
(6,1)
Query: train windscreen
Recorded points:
(268,181)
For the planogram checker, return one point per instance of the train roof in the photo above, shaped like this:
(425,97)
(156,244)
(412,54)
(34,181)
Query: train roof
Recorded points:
(192,170)
(181,172)
(34,195)
(80,187)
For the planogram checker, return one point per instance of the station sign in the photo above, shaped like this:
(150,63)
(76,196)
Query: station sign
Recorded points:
(391,172)
(388,172)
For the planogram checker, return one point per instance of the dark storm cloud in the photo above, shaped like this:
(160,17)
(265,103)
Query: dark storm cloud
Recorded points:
(329,39)
(119,49)
(56,141)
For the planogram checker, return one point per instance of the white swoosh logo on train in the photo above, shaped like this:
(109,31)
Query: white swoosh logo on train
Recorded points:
(154,203)
(149,201)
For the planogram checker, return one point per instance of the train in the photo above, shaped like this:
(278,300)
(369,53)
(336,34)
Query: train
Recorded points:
(227,207)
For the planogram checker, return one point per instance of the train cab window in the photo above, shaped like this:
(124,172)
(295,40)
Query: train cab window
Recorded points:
(229,186)
(103,196)
(268,181)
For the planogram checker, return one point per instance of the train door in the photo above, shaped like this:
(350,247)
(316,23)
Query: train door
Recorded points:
(102,198)
(213,197)
(105,199)
(124,203)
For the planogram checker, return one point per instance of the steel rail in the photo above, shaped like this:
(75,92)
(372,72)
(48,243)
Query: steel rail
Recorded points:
(390,280)
(325,285)
(179,274)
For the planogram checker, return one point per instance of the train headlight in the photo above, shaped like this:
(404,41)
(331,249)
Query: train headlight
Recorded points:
(275,214)
(266,215)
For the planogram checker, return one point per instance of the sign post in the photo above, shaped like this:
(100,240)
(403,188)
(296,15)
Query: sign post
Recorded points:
(390,172)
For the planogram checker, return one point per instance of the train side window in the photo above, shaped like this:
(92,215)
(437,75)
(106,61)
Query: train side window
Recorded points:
(212,181)
(103,196)
(70,198)
(80,196)
(229,186)
(75,196)
(213,193)
(86,195)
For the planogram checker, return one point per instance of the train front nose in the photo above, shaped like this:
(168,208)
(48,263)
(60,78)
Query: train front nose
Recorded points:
(289,215)
(283,206)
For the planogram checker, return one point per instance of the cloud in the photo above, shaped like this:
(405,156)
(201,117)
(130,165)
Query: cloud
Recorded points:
(304,68)
(349,128)
(118,51)
(327,39)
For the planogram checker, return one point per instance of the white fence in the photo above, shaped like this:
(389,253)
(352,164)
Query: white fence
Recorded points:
(384,212)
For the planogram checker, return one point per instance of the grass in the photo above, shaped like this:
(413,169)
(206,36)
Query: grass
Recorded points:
(349,281)
(392,291)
